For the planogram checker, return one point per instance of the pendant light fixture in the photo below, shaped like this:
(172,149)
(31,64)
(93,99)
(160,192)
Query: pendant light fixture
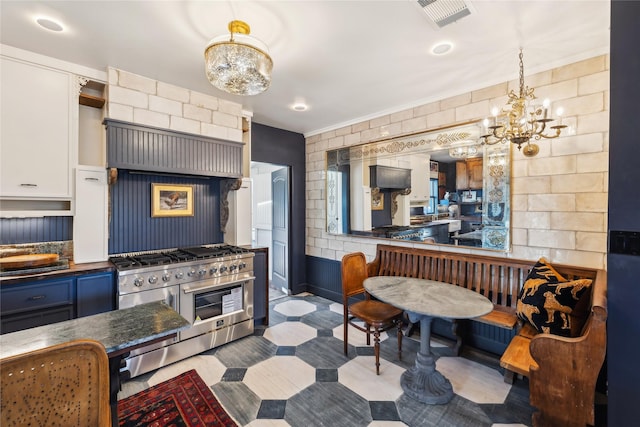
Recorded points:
(524,121)
(239,64)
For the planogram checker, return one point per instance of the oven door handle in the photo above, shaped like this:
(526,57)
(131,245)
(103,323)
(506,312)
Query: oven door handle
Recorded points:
(187,290)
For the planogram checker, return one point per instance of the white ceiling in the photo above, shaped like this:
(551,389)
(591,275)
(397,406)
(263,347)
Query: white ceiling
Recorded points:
(348,60)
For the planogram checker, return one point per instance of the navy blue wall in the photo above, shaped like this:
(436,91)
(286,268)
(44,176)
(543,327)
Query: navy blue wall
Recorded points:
(35,230)
(624,204)
(281,147)
(133,229)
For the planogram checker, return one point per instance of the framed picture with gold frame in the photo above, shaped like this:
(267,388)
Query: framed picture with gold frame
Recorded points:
(377,202)
(171,200)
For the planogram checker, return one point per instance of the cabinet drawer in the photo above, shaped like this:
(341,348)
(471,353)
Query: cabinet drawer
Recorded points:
(46,294)
(21,321)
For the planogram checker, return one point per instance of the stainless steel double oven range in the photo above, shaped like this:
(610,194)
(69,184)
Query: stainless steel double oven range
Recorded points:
(210,286)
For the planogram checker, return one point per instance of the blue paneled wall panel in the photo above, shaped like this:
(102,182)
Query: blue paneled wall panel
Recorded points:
(35,230)
(132,228)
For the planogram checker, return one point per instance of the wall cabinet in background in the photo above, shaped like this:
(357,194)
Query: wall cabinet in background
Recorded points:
(469,175)
(420,177)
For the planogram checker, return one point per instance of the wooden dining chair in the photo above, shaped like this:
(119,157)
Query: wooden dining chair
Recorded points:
(375,314)
(61,385)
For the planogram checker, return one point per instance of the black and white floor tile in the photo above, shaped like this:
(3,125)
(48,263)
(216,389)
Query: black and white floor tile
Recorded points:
(294,373)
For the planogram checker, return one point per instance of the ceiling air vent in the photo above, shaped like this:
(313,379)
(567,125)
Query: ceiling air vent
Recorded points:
(445,12)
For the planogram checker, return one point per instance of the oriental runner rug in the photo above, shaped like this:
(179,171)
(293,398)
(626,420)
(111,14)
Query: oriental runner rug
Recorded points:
(184,400)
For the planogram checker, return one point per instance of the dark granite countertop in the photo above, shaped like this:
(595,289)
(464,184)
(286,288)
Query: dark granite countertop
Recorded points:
(119,331)
(383,232)
(472,235)
(73,270)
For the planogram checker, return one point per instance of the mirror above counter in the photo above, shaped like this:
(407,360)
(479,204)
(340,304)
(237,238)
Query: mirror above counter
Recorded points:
(440,186)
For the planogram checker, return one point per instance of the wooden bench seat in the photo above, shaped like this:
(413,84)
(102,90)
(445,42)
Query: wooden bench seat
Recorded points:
(498,279)
(503,317)
(562,371)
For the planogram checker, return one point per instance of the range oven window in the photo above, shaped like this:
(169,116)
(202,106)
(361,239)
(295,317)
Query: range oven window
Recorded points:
(218,302)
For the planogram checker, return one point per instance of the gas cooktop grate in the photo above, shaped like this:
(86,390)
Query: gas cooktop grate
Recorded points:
(173,256)
(214,251)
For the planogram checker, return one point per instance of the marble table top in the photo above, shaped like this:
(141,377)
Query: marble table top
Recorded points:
(118,330)
(428,297)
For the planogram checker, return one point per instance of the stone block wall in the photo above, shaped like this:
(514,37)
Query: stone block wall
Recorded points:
(137,99)
(559,198)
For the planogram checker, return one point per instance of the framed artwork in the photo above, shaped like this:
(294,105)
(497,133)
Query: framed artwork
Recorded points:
(468,196)
(171,200)
(377,202)
(433,166)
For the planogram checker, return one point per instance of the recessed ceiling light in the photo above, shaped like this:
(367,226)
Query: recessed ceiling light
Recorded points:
(49,24)
(299,106)
(442,48)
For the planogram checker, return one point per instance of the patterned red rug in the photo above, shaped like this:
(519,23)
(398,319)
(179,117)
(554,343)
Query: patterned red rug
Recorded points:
(181,401)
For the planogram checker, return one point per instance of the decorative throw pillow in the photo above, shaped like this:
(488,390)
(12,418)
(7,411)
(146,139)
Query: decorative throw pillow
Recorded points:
(547,300)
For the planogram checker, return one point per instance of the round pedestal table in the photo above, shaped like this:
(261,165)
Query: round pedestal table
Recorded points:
(424,300)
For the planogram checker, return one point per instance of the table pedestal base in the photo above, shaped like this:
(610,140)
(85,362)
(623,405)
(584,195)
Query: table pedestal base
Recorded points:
(423,382)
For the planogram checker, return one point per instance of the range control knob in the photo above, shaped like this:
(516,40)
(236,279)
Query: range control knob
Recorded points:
(191,272)
(179,275)
(166,277)
(213,270)
(153,279)
(223,268)
(232,267)
(202,272)
(242,265)
(138,281)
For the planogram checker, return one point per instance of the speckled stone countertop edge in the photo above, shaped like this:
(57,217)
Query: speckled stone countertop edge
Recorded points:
(117,330)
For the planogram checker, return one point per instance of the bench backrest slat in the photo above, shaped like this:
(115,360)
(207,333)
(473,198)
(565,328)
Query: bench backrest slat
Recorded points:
(497,278)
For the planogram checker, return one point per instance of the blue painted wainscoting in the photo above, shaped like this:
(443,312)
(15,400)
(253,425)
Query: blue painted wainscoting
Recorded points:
(324,279)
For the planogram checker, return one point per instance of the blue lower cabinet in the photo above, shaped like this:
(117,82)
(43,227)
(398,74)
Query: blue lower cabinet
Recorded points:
(42,302)
(261,286)
(27,305)
(95,293)
(45,316)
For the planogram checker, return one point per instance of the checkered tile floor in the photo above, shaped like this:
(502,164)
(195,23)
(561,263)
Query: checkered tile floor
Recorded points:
(294,373)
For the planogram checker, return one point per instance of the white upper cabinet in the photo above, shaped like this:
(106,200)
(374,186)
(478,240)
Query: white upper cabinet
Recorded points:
(420,175)
(39,113)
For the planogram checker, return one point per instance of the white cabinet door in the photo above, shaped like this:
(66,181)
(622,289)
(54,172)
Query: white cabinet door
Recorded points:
(90,224)
(36,148)
(420,175)
(238,231)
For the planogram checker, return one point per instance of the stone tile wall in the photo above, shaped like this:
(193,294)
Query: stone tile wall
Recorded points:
(559,197)
(137,99)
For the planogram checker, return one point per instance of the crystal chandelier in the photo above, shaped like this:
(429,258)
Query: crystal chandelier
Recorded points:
(524,121)
(241,64)
(463,152)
